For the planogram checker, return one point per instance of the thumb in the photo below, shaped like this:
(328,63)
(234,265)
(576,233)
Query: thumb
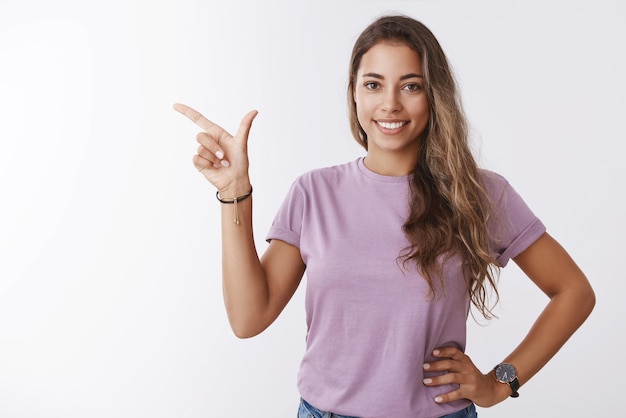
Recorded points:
(245,125)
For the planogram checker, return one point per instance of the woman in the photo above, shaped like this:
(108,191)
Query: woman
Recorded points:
(395,245)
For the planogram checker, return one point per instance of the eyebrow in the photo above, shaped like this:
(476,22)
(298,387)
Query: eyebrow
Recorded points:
(404,77)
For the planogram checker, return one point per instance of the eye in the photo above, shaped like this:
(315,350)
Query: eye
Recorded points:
(371,85)
(412,87)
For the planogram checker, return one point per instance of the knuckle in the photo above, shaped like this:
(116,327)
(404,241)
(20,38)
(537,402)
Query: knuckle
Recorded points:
(436,366)
(215,131)
(206,142)
(204,153)
(197,162)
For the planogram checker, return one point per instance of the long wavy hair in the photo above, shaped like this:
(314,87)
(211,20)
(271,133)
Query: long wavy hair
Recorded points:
(449,206)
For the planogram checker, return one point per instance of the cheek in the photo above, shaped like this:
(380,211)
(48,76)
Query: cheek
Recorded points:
(360,112)
(421,109)
(363,109)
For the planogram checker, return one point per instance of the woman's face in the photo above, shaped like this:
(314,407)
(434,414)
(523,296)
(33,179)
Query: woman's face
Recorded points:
(392,106)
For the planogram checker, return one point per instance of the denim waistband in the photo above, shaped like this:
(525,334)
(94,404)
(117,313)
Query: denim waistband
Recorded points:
(306,410)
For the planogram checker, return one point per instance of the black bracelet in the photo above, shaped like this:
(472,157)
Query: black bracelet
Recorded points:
(235,200)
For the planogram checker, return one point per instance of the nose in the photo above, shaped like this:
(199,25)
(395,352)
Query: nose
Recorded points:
(391,101)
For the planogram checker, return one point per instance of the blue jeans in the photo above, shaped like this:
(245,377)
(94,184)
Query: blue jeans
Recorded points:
(306,410)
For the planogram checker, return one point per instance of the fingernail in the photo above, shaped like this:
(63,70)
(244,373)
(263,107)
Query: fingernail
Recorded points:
(436,352)
(438,399)
(224,163)
(426,366)
(428,381)
(219,154)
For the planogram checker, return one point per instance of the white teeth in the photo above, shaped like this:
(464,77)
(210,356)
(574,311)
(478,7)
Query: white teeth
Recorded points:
(391,125)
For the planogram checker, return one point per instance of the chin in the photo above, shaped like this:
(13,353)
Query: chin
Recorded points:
(397,148)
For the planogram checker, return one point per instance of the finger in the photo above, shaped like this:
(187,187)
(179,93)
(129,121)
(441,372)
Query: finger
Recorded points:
(448,352)
(458,364)
(442,366)
(211,157)
(444,379)
(245,125)
(210,145)
(202,164)
(455,395)
(196,117)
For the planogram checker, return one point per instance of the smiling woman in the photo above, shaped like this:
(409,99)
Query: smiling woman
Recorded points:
(392,107)
(395,245)
(111,297)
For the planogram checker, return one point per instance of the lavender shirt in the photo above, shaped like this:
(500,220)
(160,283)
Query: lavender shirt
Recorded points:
(371,324)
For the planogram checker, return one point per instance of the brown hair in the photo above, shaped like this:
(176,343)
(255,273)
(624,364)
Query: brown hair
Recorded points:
(449,206)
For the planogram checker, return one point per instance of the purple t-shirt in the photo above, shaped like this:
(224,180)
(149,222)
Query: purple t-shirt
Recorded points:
(370,323)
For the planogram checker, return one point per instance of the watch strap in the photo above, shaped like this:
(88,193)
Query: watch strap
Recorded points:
(514,388)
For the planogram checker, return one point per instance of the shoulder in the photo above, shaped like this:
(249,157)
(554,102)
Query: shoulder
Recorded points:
(327,175)
(316,188)
(504,199)
(495,185)
(491,178)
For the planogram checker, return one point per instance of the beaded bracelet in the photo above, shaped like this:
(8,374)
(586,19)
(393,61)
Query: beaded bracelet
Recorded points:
(234,202)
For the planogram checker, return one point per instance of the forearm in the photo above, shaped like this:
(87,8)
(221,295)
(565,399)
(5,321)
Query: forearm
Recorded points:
(564,313)
(244,282)
(551,268)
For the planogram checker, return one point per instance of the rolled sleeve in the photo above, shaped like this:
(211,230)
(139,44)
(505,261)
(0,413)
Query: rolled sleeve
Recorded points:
(512,225)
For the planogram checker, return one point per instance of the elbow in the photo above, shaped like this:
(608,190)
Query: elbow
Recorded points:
(243,333)
(589,300)
(584,300)
(245,329)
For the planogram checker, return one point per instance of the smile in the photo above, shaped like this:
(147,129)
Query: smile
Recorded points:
(391,125)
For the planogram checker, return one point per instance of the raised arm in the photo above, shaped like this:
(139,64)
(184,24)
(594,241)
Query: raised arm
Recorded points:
(255,290)
(572,299)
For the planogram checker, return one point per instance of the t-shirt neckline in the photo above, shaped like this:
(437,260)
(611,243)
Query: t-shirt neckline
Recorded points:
(379,177)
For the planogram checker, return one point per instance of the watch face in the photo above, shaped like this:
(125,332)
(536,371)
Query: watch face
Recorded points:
(505,373)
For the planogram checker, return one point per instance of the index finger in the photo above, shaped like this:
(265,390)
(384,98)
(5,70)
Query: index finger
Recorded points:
(448,352)
(195,116)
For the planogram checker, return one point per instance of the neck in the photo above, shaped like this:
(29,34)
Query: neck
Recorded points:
(390,164)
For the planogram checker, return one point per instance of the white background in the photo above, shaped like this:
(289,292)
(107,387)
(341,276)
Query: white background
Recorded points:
(110,294)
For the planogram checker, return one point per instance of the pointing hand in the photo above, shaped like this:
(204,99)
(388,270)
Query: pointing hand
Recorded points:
(222,158)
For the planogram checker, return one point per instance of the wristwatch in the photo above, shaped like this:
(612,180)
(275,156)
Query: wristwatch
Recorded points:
(506,373)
